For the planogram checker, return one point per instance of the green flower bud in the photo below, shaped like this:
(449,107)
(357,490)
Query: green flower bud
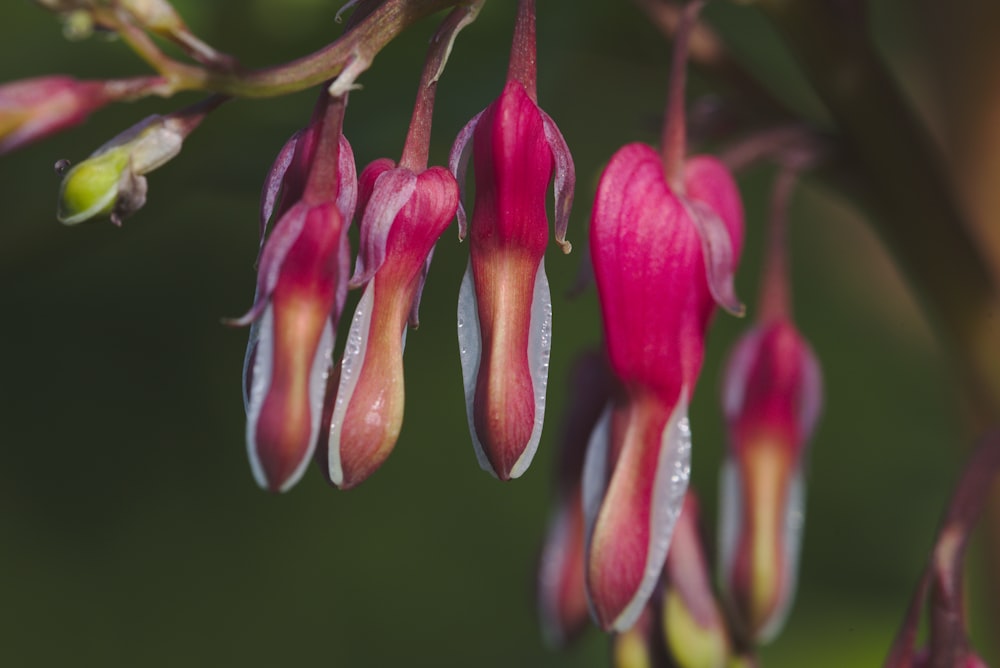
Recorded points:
(111,181)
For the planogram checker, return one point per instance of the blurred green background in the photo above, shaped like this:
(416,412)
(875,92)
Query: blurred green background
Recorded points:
(131,532)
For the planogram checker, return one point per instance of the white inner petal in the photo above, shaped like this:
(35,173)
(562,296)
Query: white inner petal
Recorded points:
(539,351)
(350,370)
(470,343)
(263,361)
(673,470)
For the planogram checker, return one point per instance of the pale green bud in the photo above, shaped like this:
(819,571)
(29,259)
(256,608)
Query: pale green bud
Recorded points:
(111,181)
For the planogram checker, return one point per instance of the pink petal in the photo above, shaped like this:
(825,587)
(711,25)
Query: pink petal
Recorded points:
(392,190)
(458,163)
(640,483)
(286,232)
(274,181)
(720,261)
(565,179)
(347,195)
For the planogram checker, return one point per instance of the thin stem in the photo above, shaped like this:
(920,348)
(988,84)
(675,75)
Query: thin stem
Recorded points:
(324,179)
(523,66)
(775,291)
(368,37)
(674,140)
(178,74)
(418,138)
(942,579)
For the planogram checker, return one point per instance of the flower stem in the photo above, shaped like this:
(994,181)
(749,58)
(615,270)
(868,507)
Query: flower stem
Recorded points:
(418,138)
(324,177)
(523,66)
(775,291)
(673,142)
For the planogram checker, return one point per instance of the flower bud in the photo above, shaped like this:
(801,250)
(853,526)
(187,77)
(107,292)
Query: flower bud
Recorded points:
(771,401)
(404,214)
(111,181)
(32,109)
(504,308)
(301,287)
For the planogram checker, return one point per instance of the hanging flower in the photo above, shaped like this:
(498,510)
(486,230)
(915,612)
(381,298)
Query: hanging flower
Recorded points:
(504,307)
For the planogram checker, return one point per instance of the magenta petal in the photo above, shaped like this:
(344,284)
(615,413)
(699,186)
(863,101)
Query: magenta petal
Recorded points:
(282,238)
(640,476)
(393,189)
(458,163)
(565,179)
(366,182)
(811,398)
(720,261)
(274,181)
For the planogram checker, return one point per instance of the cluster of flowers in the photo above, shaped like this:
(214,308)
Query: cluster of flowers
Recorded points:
(666,234)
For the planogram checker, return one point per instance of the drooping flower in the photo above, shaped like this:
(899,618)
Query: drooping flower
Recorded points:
(665,237)
(406,209)
(771,402)
(31,109)
(772,394)
(562,593)
(405,213)
(301,287)
(504,308)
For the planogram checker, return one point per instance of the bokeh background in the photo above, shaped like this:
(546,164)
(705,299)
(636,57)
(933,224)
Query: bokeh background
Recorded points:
(131,532)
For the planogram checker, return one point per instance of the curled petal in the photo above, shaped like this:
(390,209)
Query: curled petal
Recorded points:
(565,179)
(458,163)
(274,181)
(720,261)
(392,190)
(635,479)
(272,258)
(347,194)
(369,176)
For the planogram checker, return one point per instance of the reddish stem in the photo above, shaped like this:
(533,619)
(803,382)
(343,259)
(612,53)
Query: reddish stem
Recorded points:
(324,178)
(775,291)
(418,138)
(673,142)
(523,57)
(943,577)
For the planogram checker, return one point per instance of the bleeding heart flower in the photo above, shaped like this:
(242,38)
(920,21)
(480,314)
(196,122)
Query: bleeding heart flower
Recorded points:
(504,307)
(662,259)
(301,287)
(771,401)
(404,214)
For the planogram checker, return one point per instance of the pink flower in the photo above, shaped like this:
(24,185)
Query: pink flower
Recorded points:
(31,109)
(771,401)
(301,286)
(404,214)
(504,307)
(664,255)
(562,593)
